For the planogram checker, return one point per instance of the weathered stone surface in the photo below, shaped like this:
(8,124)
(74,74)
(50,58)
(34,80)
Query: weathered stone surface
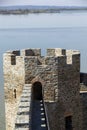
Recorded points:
(59,75)
(23,119)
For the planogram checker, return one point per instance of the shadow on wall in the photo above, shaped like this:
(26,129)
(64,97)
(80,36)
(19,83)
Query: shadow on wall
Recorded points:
(37,91)
(83,78)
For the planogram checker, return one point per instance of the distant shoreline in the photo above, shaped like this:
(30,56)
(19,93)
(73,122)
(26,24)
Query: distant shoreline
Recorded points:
(36,11)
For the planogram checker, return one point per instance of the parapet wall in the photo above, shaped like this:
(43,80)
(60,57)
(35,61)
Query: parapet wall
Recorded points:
(13,74)
(14,68)
(83,99)
(23,66)
(68,71)
(59,74)
(71,56)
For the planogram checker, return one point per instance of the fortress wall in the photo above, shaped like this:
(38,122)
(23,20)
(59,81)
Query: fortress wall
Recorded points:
(30,65)
(56,52)
(50,52)
(59,74)
(51,79)
(69,87)
(46,72)
(31,52)
(13,69)
(83,97)
(52,105)
(68,101)
(13,74)
(31,59)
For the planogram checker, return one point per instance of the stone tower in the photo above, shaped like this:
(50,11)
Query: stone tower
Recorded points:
(55,78)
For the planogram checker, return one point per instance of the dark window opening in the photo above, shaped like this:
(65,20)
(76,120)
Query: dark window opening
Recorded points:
(68,123)
(13,60)
(37,91)
(14,93)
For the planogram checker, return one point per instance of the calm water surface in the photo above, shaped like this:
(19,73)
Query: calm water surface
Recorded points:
(63,30)
(64,19)
(66,37)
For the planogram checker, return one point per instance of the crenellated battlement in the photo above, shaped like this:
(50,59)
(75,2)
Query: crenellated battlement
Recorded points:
(57,54)
(24,52)
(67,56)
(55,77)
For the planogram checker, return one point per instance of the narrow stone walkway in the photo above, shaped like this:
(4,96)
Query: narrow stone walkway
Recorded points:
(38,116)
(31,113)
(23,120)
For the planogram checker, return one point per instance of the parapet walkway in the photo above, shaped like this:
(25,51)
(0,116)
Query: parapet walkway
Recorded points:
(31,113)
(38,114)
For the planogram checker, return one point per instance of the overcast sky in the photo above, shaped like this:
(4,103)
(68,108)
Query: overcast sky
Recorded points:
(44,2)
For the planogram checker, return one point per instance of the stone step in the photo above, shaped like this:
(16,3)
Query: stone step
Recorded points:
(24,104)
(24,125)
(25,92)
(23,111)
(27,85)
(25,100)
(22,119)
(27,89)
(23,115)
(26,95)
(23,96)
(22,129)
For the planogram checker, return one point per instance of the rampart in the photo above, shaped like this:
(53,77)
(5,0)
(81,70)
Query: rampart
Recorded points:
(59,75)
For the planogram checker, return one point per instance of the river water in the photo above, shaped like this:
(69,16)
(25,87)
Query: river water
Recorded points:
(63,30)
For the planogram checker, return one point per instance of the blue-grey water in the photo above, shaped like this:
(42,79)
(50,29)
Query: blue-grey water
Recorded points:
(45,2)
(66,37)
(64,30)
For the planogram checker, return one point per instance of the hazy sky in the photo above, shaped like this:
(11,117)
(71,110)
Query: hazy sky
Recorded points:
(44,2)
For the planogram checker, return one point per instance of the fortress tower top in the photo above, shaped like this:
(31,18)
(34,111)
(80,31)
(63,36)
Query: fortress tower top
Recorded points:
(55,76)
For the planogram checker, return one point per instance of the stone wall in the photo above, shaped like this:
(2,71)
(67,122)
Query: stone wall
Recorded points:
(69,87)
(13,74)
(68,101)
(14,80)
(83,97)
(13,67)
(45,74)
(59,74)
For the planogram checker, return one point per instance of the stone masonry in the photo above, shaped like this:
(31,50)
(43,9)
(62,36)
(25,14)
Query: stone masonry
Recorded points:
(59,75)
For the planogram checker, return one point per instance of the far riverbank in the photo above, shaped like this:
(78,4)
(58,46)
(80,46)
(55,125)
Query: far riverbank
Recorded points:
(38,9)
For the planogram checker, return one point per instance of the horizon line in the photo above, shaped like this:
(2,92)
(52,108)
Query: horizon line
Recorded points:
(44,5)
